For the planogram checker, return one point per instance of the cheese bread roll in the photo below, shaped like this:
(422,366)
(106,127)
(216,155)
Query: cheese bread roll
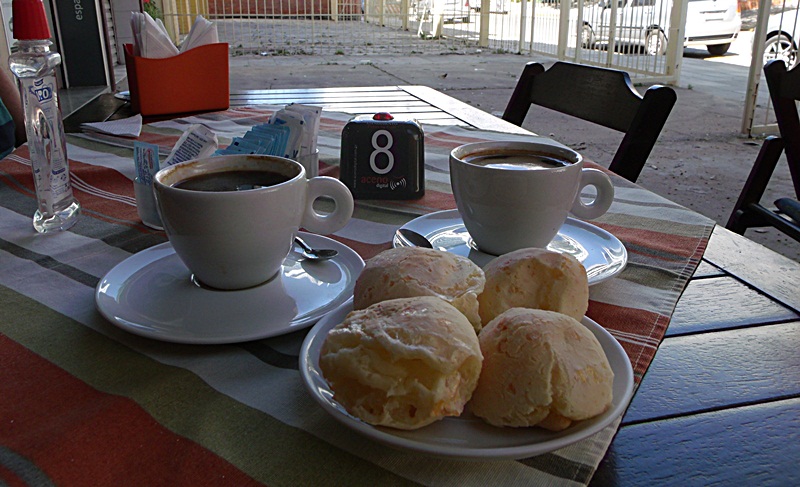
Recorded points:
(403,363)
(415,271)
(534,278)
(540,368)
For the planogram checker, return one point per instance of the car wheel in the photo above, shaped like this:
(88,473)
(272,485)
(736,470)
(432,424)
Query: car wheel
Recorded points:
(655,43)
(718,49)
(587,37)
(781,47)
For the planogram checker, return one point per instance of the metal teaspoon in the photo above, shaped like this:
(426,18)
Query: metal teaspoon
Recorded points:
(311,253)
(414,238)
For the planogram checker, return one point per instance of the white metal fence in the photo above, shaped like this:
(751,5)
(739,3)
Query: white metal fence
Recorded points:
(374,27)
(774,38)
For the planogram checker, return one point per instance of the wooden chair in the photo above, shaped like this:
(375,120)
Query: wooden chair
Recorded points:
(602,96)
(784,90)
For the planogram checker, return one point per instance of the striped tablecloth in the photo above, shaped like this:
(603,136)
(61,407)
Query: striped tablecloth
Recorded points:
(83,402)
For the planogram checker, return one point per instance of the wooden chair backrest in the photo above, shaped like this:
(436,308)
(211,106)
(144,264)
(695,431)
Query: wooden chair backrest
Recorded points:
(784,91)
(603,96)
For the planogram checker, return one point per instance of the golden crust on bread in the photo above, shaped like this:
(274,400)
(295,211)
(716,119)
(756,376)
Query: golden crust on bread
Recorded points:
(403,363)
(534,278)
(414,271)
(540,368)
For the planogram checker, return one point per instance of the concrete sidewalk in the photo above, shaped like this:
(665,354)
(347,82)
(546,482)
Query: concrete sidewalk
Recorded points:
(700,161)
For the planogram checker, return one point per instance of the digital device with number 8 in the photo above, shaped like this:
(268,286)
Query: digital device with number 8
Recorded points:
(383,158)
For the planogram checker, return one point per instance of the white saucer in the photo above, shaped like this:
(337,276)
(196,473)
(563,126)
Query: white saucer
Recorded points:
(601,253)
(151,293)
(467,436)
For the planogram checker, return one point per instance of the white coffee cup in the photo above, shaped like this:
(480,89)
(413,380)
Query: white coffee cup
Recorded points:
(513,195)
(235,239)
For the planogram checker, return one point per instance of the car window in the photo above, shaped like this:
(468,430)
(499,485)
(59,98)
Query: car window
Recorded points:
(643,3)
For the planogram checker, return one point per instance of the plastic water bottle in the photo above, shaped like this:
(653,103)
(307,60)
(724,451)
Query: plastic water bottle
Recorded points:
(34,66)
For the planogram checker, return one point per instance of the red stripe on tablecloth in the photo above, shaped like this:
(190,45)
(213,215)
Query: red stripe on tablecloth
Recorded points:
(332,125)
(449,141)
(73,432)
(365,250)
(18,172)
(160,140)
(257,113)
(11,479)
(102,178)
(432,201)
(326,169)
(644,324)
(656,242)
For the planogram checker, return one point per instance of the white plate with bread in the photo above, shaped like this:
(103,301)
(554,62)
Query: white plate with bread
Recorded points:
(467,436)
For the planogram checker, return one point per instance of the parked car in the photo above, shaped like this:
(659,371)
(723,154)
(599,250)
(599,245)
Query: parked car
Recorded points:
(710,23)
(781,39)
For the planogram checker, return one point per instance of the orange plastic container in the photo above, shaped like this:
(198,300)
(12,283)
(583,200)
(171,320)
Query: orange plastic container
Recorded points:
(193,81)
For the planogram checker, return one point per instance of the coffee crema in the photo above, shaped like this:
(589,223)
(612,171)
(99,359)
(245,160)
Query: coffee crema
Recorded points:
(237,180)
(516,161)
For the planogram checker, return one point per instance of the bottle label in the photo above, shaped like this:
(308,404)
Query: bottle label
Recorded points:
(46,142)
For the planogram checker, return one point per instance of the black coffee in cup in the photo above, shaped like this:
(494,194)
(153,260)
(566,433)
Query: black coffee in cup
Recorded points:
(235,180)
(515,161)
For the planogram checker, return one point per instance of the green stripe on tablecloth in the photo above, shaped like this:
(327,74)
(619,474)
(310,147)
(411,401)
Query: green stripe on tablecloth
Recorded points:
(177,398)
(85,142)
(652,277)
(265,353)
(129,239)
(655,223)
(50,263)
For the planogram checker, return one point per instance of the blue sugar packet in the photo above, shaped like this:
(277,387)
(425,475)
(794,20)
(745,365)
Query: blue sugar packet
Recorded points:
(265,141)
(295,123)
(145,159)
(280,134)
(240,145)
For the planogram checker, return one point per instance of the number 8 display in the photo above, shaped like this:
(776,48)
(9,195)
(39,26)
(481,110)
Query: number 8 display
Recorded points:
(382,150)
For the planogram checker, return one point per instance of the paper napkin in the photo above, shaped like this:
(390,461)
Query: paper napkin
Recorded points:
(125,127)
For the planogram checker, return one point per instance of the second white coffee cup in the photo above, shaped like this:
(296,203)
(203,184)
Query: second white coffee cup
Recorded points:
(232,219)
(513,195)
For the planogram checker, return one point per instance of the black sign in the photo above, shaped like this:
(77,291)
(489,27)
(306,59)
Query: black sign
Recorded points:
(79,37)
(383,158)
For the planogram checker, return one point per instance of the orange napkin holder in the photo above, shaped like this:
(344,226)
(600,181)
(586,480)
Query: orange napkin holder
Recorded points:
(193,81)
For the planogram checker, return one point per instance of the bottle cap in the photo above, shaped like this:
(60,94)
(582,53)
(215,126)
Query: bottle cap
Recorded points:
(30,20)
